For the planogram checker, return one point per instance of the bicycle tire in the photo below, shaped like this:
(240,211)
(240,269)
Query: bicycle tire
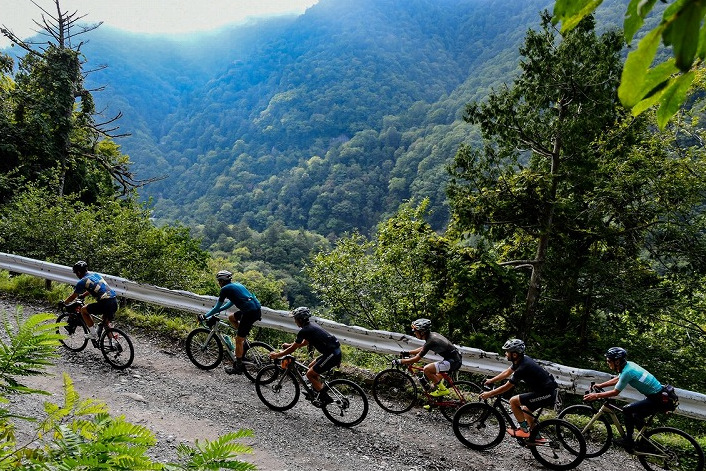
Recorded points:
(278,389)
(256,357)
(563,446)
(117,348)
(469,392)
(598,436)
(669,448)
(394,390)
(350,404)
(478,425)
(74,337)
(204,352)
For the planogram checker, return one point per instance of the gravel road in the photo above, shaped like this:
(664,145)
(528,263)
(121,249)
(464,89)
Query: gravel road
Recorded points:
(163,391)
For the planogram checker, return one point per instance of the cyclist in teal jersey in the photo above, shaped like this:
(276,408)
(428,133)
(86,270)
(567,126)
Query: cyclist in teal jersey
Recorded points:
(106,301)
(630,373)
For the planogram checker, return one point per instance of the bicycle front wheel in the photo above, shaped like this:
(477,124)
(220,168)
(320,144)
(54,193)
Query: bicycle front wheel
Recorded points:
(478,425)
(467,392)
(74,335)
(669,448)
(117,348)
(278,389)
(394,391)
(203,349)
(597,432)
(350,404)
(557,444)
(256,356)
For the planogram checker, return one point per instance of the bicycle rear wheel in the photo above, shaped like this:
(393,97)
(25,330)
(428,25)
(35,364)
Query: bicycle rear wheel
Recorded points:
(669,448)
(468,392)
(350,404)
(394,391)
(203,349)
(478,425)
(74,335)
(256,356)
(116,347)
(557,444)
(278,389)
(598,434)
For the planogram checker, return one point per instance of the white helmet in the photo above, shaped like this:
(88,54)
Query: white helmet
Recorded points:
(224,275)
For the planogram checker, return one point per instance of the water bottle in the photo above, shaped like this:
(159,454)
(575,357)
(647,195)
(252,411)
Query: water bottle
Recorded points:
(229,342)
(424,381)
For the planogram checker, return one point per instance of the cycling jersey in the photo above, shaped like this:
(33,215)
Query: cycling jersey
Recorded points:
(96,285)
(639,378)
(318,338)
(536,377)
(239,296)
(440,345)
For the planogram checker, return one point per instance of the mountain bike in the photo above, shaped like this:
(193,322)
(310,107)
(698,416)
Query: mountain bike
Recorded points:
(396,390)
(555,443)
(114,344)
(205,347)
(656,448)
(279,386)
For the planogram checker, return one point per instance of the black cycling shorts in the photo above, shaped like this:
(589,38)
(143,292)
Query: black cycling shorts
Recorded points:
(535,400)
(104,307)
(328,361)
(246,321)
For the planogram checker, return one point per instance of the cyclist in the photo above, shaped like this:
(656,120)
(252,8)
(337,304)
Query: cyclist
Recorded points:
(630,373)
(249,311)
(325,343)
(106,301)
(543,387)
(441,346)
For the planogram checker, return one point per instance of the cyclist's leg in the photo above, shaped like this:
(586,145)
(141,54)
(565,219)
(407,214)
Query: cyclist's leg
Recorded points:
(534,401)
(323,364)
(635,414)
(432,370)
(245,323)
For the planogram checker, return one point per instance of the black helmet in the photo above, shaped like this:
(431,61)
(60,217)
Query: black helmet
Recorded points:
(301,313)
(421,325)
(80,267)
(224,275)
(616,353)
(514,346)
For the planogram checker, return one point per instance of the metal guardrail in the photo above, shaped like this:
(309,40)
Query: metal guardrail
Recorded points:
(571,380)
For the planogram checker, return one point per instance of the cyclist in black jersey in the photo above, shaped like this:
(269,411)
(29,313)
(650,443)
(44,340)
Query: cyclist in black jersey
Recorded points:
(543,387)
(324,343)
(441,346)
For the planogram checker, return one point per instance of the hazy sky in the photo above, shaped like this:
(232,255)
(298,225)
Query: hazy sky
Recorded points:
(151,16)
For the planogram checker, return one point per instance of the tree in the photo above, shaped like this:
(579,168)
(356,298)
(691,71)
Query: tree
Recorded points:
(643,85)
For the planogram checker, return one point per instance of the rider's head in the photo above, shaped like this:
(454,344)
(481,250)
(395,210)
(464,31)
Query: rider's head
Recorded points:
(616,357)
(421,327)
(514,349)
(80,269)
(301,315)
(224,277)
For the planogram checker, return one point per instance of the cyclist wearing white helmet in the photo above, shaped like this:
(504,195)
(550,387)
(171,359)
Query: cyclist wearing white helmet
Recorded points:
(658,397)
(542,386)
(437,343)
(324,343)
(243,319)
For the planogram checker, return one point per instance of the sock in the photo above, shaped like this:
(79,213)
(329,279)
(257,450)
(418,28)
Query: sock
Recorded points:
(524,426)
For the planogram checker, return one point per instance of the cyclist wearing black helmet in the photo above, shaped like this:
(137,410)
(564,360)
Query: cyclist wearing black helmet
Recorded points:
(437,343)
(106,302)
(542,386)
(324,343)
(629,373)
(249,312)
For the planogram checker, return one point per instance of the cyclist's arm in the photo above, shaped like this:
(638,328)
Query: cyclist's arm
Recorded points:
(497,391)
(73,296)
(413,359)
(610,382)
(292,346)
(501,376)
(219,307)
(601,395)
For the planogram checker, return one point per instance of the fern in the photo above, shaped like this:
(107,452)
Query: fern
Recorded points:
(217,454)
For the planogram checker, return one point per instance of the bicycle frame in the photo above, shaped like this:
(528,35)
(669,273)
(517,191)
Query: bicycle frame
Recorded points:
(216,331)
(442,401)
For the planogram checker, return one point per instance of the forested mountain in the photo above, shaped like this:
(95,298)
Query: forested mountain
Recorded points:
(326,121)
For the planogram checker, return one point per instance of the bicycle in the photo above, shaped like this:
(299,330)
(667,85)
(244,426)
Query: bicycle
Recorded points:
(279,385)
(396,390)
(204,347)
(656,448)
(555,443)
(114,344)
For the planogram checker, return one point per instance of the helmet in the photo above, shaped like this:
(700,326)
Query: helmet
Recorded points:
(301,313)
(514,346)
(421,325)
(224,275)
(80,267)
(616,353)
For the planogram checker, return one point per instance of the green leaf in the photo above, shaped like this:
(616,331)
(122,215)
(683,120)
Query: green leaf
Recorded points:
(571,12)
(632,81)
(673,97)
(683,34)
(635,16)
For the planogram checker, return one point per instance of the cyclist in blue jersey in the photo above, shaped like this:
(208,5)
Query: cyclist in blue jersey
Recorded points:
(249,311)
(542,386)
(629,373)
(106,302)
(324,343)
